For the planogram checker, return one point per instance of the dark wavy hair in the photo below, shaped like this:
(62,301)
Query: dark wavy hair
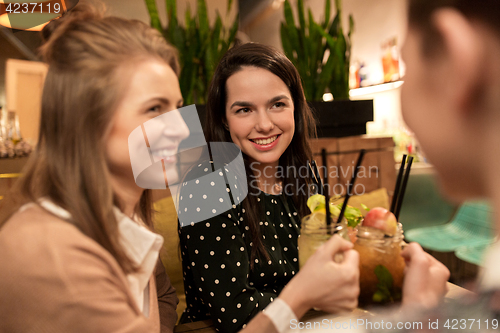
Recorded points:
(298,152)
(420,13)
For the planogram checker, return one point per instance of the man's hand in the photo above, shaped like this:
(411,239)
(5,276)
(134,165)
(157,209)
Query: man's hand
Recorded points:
(425,278)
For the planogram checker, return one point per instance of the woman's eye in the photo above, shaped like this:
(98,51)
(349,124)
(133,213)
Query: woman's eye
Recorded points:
(156,108)
(243,110)
(279,105)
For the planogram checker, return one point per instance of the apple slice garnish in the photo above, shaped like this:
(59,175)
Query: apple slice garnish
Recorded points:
(382,219)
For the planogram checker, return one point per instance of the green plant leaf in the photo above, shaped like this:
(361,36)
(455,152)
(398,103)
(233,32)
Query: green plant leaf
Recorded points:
(293,33)
(230,39)
(285,41)
(153,15)
(234,30)
(340,89)
(289,15)
(327,14)
(307,44)
(334,28)
(186,79)
(227,42)
(348,42)
(338,7)
(329,39)
(325,77)
(202,14)
(341,45)
(171,6)
(315,52)
(365,207)
(173,24)
(302,18)
(206,59)
(179,37)
(200,46)
(209,64)
(314,37)
(290,26)
(328,70)
(187,17)
(351,25)
(216,33)
(304,41)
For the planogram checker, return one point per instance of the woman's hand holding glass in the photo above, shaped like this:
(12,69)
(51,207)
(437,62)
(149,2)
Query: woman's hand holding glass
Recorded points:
(323,283)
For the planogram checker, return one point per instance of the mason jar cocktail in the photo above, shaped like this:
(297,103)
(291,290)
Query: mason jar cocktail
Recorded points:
(314,233)
(381,265)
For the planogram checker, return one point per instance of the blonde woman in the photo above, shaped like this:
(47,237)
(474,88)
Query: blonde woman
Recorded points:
(76,250)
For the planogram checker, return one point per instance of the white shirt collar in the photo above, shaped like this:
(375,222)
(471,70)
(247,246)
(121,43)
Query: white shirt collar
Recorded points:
(140,244)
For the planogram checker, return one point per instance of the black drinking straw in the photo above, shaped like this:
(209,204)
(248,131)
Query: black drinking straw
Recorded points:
(325,190)
(395,196)
(321,189)
(313,177)
(351,184)
(403,188)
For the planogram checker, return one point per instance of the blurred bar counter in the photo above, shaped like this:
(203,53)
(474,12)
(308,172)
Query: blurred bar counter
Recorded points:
(10,170)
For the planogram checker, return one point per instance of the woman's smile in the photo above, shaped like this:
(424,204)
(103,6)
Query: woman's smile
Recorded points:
(265,144)
(167,155)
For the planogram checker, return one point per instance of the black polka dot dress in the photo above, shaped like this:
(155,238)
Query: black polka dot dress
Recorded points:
(216,261)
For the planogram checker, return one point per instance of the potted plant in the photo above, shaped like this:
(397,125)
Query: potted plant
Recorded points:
(200,46)
(321,53)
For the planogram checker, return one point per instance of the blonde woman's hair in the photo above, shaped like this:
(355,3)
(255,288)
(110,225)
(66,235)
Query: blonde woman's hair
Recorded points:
(86,53)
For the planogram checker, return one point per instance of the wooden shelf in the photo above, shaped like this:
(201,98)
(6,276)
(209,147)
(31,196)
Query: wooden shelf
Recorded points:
(375,88)
(12,165)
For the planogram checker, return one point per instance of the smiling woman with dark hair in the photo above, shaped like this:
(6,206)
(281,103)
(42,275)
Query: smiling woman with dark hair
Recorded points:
(239,261)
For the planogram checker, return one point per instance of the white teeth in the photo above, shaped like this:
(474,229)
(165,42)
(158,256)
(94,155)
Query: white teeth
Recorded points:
(266,141)
(163,153)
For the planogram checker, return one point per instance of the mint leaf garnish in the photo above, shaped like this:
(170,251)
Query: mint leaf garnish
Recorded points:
(384,285)
(352,215)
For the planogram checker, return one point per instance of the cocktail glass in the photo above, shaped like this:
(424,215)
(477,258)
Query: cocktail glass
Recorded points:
(314,233)
(381,265)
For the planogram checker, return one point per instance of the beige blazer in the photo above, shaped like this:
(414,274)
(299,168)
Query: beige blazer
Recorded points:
(53,278)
